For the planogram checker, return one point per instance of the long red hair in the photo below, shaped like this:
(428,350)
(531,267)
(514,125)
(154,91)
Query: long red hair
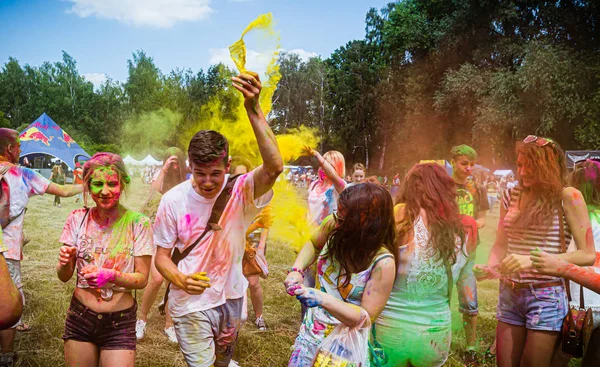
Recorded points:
(427,186)
(549,171)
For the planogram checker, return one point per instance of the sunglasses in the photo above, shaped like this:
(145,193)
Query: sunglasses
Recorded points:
(540,142)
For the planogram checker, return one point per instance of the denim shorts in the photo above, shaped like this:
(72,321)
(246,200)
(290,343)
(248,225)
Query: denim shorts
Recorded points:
(535,308)
(207,338)
(107,330)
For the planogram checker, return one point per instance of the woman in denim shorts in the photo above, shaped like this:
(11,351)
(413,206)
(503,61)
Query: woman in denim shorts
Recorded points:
(531,305)
(111,247)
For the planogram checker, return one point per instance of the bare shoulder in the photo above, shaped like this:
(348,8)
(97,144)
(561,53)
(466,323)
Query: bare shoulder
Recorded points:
(572,197)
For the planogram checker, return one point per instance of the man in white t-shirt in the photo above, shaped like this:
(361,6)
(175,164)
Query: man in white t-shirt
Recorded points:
(207,286)
(23,183)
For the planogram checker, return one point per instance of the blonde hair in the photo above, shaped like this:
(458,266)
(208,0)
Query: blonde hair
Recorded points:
(336,159)
(359,167)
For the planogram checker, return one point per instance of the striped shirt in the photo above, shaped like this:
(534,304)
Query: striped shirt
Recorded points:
(522,241)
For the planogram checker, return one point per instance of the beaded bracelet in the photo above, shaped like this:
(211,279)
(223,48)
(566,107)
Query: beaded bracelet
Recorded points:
(297,270)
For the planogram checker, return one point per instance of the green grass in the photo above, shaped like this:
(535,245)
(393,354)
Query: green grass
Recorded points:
(48,299)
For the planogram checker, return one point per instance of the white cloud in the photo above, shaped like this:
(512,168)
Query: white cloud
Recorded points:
(304,55)
(95,78)
(148,13)
(255,61)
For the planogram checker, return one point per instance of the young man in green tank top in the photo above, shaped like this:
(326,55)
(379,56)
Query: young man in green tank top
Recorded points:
(472,201)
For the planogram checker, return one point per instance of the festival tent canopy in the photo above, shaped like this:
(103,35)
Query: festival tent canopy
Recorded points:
(503,172)
(130,160)
(44,136)
(574,156)
(150,161)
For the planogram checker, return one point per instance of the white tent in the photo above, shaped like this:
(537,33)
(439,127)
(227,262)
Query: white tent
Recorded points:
(503,172)
(150,161)
(132,161)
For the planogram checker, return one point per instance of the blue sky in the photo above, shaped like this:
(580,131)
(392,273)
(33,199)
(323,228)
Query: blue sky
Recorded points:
(102,34)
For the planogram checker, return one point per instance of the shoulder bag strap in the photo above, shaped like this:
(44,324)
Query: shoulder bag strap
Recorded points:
(213,223)
(563,246)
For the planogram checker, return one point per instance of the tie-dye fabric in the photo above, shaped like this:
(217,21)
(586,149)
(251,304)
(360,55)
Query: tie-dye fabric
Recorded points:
(181,219)
(318,323)
(108,247)
(321,204)
(24,183)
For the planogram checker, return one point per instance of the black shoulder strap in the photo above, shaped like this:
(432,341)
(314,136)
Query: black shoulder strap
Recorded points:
(213,223)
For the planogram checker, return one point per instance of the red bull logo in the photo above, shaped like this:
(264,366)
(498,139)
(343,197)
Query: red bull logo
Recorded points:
(36,135)
(66,139)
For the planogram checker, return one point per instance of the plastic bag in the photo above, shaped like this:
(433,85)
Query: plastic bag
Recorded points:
(345,347)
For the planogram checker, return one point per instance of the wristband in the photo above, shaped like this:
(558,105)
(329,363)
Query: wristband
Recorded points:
(297,270)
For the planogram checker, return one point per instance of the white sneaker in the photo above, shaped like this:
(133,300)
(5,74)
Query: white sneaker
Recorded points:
(233,363)
(140,329)
(170,333)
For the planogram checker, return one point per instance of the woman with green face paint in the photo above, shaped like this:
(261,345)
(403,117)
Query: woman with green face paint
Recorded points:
(110,246)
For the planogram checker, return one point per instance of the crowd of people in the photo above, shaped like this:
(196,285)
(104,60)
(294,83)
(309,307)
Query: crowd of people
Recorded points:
(381,266)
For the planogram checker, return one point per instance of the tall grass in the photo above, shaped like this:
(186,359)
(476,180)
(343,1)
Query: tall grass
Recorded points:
(48,299)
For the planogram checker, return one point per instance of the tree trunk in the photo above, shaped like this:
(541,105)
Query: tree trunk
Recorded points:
(366,150)
(382,158)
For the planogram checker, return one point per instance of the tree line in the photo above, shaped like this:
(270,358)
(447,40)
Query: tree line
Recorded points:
(426,76)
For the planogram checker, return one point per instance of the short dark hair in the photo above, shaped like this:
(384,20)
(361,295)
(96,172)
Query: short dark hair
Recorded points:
(208,146)
(7,137)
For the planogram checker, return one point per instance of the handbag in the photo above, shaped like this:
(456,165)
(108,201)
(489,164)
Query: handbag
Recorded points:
(577,326)
(252,264)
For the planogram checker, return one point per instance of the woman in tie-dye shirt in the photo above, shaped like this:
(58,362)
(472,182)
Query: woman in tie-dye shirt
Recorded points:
(355,255)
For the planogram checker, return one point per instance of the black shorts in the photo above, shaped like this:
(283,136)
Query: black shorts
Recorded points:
(107,330)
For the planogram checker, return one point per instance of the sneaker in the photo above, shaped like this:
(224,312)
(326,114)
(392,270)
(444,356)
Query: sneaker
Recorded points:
(233,363)
(471,359)
(170,333)
(260,323)
(140,329)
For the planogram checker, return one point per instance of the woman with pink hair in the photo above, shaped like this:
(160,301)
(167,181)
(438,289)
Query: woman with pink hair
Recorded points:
(109,248)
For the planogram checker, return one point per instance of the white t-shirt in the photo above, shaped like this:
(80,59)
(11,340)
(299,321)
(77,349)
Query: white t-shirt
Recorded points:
(111,247)
(181,218)
(23,183)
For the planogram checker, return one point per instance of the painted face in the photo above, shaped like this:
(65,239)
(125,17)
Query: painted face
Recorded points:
(463,166)
(209,178)
(358,176)
(321,174)
(105,188)
(525,171)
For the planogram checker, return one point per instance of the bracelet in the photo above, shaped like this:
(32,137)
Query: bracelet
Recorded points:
(321,162)
(302,272)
